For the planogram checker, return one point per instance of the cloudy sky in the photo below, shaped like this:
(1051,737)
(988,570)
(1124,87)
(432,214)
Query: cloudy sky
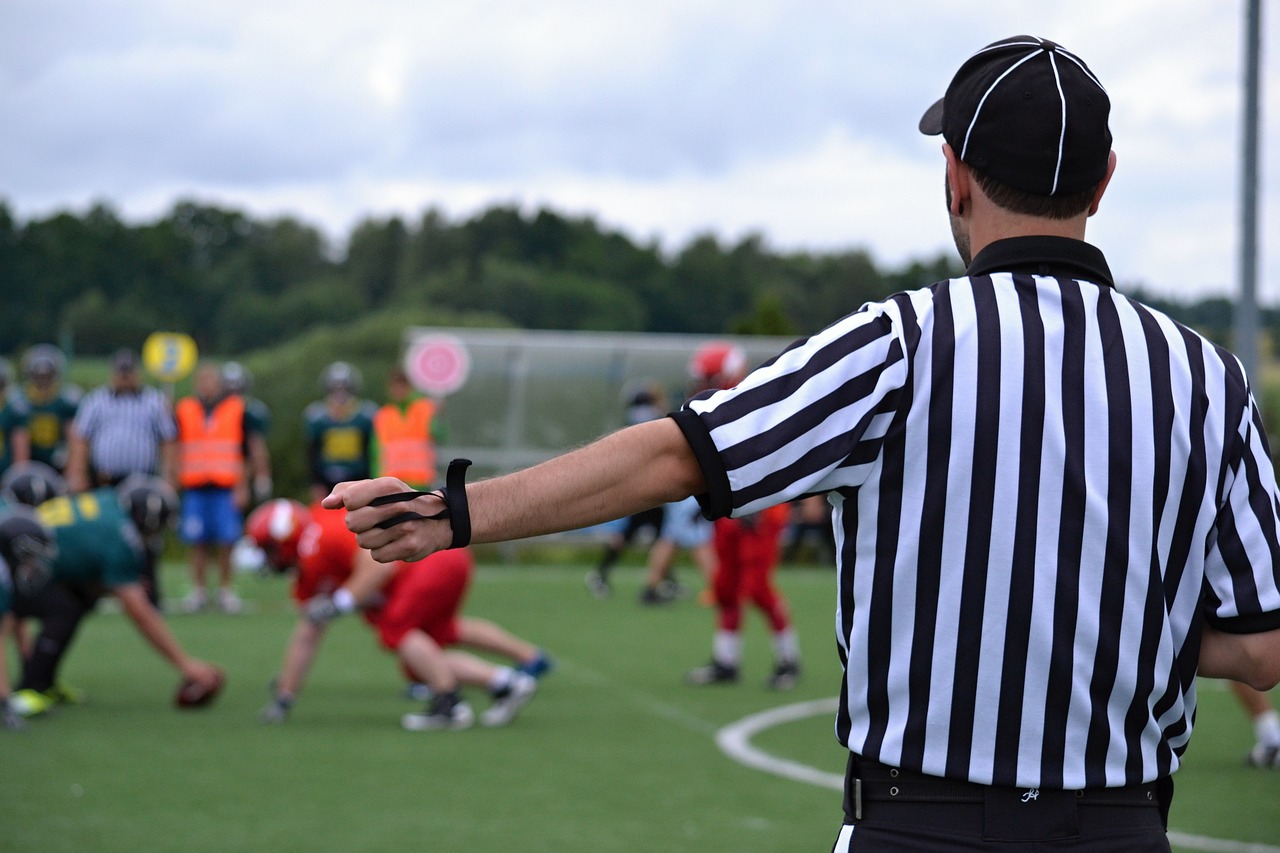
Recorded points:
(665,119)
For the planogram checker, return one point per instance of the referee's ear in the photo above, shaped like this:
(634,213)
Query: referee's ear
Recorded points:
(957,183)
(1102,185)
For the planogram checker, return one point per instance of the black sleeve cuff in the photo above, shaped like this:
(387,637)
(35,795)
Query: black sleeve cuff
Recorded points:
(717,502)
(1254,623)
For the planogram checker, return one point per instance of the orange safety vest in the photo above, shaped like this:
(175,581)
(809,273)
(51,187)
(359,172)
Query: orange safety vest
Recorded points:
(404,438)
(210,443)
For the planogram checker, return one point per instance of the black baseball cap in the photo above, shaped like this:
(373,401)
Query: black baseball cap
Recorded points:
(1029,114)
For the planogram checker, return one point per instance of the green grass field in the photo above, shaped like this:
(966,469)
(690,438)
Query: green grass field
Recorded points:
(614,754)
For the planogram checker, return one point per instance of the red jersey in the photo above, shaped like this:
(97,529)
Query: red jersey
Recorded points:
(326,554)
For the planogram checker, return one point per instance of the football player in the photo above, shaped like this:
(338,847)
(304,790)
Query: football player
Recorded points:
(51,404)
(101,539)
(26,549)
(413,607)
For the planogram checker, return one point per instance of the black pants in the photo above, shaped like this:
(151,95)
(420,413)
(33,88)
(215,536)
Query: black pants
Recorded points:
(60,607)
(1004,819)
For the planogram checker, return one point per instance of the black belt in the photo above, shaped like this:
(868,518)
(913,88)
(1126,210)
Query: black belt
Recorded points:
(871,782)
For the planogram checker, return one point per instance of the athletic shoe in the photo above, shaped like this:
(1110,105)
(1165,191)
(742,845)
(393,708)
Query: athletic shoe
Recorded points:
(1263,756)
(229,602)
(65,694)
(654,596)
(508,701)
(671,589)
(460,716)
(31,703)
(713,673)
(785,675)
(195,601)
(539,666)
(598,584)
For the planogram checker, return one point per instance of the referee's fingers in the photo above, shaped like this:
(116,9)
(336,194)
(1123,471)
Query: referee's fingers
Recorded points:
(356,494)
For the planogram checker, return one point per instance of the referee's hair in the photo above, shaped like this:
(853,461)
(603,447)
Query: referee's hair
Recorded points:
(1033,204)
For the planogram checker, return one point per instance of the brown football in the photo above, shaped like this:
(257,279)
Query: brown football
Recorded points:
(193,694)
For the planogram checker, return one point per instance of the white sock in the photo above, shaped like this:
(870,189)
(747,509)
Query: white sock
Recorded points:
(501,679)
(786,645)
(1267,728)
(726,648)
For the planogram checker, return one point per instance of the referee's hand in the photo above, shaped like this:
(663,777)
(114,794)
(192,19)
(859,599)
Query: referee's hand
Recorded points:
(407,540)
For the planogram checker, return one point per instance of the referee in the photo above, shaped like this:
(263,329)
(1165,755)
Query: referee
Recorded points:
(1054,506)
(123,428)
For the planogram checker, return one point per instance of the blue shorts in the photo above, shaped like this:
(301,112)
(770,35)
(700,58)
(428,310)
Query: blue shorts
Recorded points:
(684,525)
(210,517)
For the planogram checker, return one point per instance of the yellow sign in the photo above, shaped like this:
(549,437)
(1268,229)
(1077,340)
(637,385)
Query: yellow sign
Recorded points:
(169,356)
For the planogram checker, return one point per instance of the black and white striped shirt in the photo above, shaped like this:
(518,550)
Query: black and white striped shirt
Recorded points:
(1040,487)
(125,430)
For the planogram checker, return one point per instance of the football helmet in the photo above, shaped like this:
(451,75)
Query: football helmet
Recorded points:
(27,546)
(31,483)
(341,376)
(43,361)
(276,527)
(717,364)
(236,378)
(150,502)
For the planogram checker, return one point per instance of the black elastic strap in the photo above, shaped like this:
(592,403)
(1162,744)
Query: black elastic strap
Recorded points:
(454,496)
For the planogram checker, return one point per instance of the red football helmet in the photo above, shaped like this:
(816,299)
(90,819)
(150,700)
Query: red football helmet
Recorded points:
(717,364)
(276,527)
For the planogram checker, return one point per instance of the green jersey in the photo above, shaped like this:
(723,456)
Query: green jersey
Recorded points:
(339,447)
(97,542)
(49,415)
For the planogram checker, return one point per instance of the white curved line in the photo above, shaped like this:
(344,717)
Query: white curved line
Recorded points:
(734,740)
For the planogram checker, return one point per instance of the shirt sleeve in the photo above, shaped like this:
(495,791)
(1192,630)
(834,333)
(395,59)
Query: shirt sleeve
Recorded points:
(1242,566)
(810,420)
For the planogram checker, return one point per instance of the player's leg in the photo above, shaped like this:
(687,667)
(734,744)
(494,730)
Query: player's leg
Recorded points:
(1266,725)
(193,529)
(726,588)
(662,555)
(60,608)
(423,656)
(758,587)
(228,525)
(510,689)
(490,637)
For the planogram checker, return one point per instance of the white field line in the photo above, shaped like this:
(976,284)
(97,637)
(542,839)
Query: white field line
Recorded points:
(734,741)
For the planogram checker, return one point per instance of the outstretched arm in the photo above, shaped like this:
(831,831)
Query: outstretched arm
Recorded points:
(149,622)
(624,472)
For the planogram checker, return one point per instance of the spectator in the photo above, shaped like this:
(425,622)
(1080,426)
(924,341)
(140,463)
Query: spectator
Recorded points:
(211,471)
(407,429)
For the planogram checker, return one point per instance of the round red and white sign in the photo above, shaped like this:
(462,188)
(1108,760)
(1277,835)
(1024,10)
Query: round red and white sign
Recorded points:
(437,365)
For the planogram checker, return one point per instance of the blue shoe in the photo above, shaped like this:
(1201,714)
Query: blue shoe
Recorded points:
(537,667)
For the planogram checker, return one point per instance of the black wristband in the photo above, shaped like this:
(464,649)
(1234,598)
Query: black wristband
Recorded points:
(454,496)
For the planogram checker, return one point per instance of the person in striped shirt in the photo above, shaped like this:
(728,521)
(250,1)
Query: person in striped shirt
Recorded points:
(1054,506)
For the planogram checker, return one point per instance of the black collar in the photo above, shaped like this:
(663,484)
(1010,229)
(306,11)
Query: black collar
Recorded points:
(1055,256)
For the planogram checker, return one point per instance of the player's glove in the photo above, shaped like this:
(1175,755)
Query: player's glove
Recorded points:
(320,610)
(10,718)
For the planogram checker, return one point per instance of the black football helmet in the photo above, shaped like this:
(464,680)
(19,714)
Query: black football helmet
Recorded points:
(31,483)
(27,546)
(150,502)
(43,361)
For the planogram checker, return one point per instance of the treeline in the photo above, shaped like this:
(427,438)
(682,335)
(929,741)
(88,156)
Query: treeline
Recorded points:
(93,282)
